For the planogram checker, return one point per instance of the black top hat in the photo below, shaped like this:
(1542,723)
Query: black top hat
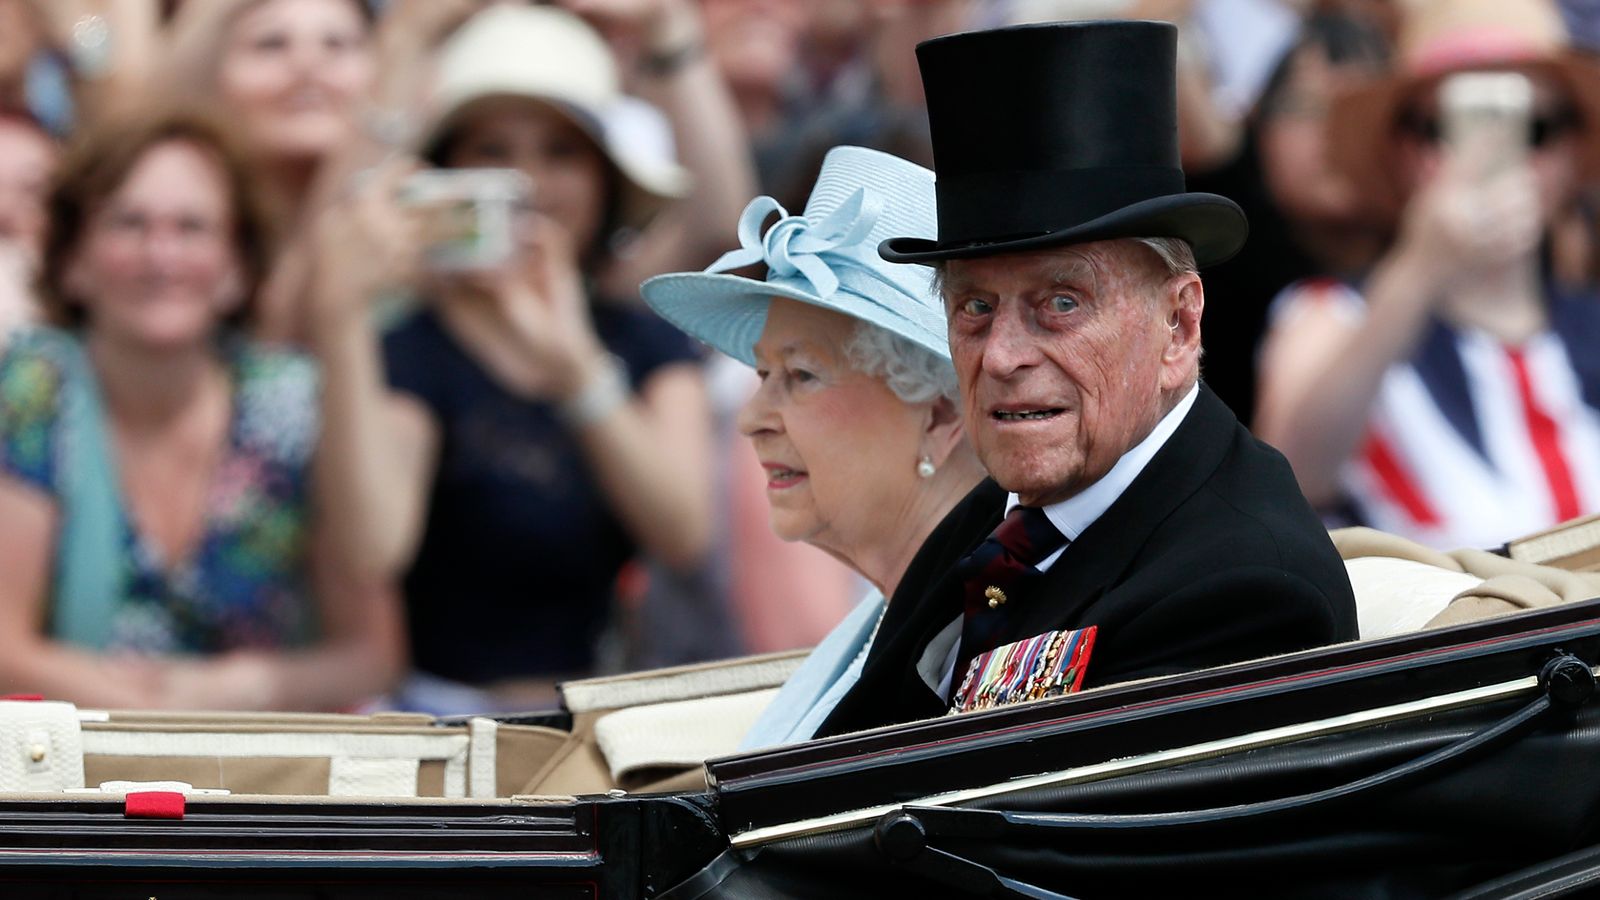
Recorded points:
(1045,135)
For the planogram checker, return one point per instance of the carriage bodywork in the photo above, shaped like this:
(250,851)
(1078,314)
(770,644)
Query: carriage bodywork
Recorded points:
(1452,761)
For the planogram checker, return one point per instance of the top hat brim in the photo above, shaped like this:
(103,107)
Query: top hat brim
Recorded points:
(1213,225)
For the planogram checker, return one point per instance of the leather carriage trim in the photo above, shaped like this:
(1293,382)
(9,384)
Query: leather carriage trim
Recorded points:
(1149,761)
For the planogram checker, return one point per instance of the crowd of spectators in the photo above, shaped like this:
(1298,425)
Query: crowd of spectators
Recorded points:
(264,443)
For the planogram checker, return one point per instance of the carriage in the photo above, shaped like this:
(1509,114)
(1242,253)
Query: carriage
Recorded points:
(1454,761)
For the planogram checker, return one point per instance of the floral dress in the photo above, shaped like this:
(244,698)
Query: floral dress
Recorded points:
(244,584)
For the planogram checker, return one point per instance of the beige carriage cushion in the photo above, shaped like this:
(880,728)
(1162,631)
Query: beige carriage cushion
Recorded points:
(735,676)
(682,733)
(1503,585)
(1396,596)
(41,746)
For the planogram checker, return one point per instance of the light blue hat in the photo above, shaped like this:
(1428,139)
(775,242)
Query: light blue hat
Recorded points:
(827,257)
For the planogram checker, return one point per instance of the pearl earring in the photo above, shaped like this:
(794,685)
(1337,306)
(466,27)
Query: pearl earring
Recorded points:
(925,467)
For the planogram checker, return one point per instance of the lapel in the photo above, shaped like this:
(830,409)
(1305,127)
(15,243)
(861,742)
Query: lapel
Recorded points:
(1101,557)
(889,689)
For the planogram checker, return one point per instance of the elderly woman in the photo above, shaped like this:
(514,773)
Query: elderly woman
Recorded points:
(855,420)
(158,505)
(1455,398)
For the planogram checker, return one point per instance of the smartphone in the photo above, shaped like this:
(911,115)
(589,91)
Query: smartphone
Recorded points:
(1486,115)
(470,215)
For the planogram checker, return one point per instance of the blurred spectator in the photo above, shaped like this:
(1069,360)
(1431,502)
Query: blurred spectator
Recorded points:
(1454,400)
(874,100)
(157,505)
(1306,219)
(756,46)
(27,159)
(540,436)
(294,75)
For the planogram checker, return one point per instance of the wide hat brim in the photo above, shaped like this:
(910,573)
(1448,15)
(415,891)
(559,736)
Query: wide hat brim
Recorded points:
(1363,119)
(1213,225)
(729,312)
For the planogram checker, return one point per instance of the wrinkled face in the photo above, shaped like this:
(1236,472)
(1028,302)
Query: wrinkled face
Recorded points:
(294,71)
(156,264)
(27,158)
(567,169)
(1064,357)
(839,448)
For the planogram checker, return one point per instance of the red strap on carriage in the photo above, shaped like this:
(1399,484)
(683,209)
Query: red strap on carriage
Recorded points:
(153,805)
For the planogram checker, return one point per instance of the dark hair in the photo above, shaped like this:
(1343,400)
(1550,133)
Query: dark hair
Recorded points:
(96,166)
(1343,38)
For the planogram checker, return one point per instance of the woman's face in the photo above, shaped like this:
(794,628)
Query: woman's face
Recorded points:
(294,72)
(156,264)
(840,450)
(567,169)
(1552,150)
(1293,144)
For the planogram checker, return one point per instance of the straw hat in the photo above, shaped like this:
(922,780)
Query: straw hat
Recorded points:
(826,257)
(547,54)
(1439,37)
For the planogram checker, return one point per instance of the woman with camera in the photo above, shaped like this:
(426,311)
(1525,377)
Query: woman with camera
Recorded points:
(1456,399)
(538,437)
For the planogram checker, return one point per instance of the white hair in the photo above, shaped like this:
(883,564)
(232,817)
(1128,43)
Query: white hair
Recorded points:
(915,373)
(1175,253)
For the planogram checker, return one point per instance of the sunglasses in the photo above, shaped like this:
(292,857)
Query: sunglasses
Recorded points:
(1543,128)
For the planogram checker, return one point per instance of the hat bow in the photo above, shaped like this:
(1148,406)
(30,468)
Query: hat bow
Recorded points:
(795,246)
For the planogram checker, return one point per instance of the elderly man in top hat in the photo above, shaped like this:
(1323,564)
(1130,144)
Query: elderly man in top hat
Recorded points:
(1127,508)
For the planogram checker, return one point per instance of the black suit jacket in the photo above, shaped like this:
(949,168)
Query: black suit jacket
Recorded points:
(1210,556)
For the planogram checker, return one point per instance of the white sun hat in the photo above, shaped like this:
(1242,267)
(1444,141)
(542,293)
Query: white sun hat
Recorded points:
(827,257)
(550,55)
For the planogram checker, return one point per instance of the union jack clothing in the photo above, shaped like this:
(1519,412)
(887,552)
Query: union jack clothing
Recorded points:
(1472,441)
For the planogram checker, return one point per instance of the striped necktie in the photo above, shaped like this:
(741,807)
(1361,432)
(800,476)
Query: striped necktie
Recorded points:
(1023,540)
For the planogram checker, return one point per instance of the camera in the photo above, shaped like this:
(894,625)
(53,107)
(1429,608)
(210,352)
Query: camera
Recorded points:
(1487,110)
(470,215)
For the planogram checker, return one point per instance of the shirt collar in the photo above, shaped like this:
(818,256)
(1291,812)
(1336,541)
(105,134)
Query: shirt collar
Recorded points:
(1076,513)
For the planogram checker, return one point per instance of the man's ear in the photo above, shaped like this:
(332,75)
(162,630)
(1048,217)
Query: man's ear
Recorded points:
(1186,304)
(942,429)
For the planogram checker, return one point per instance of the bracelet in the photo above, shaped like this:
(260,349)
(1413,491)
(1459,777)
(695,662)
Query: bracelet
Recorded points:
(606,392)
(662,63)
